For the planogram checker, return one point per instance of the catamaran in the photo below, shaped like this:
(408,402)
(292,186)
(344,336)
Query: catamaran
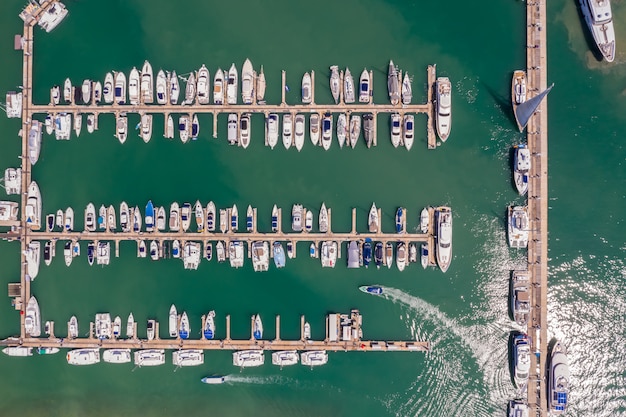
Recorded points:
(443,217)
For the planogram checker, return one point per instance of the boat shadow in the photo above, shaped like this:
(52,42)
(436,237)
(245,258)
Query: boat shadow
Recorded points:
(510,298)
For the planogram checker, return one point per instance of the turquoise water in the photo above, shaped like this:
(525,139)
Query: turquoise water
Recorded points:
(463,312)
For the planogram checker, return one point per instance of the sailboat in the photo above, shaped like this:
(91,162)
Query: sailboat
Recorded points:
(334,82)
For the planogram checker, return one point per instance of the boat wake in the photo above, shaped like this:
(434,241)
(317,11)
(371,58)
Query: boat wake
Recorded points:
(258,380)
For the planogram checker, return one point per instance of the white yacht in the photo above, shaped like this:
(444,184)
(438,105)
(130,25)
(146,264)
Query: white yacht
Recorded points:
(34,141)
(83,356)
(174,222)
(244,130)
(69,219)
(521,360)
(150,329)
(103,254)
(408,131)
(518,88)
(355,129)
(407,91)
(78,123)
(108,90)
(103,326)
(154,250)
(224,220)
(174,87)
(271,130)
(323,219)
(91,122)
(329,254)
(120,88)
(190,89)
(249,218)
(116,356)
(393,84)
(97,92)
(176,249)
(199,213)
(335,85)
(149,357)
(443,217)
(314,358)
(373,220)
(444,107)
(122,128)
(287,130)
(518,226)
(18,351)
(401,256)
(298,132)
(210,217)
(184,128)
(67,90)
(234,218)
(32,318)
(192,254)
(130,326)
(142,250)
(260,256)
(274,218)
(247,82)
(389,254)
(327,130)
(558,382)
(231,87)
(67,253)
(134,85)
(296,218)
(521,168)
(342,122)
(424,220)
(62,126)
(599,18)
(314,128)
(235,254)
(137,221)
(146,127)
(306,89)
(204,87)
(248,358)
(173,321)
(55,95)
(169,130)
(86,91)
(233,129)
(111,222)
(33,207)
(218,87)
(424,255)
(260,87)
(161,87)
(369,130)
(396,129)
(49,123)
(348,87)
(364,87)
(188,357)
(160,218)
(285,358)
(520,297)
(48,252)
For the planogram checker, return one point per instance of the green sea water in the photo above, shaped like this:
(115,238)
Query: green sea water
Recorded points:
(462,312)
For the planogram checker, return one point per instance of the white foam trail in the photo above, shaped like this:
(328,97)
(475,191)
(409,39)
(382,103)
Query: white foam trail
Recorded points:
(258,380)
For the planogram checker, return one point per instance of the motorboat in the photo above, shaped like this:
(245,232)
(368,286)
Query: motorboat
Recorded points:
(174,222)
(307,96)
(190,89)
(221,251)
(290,251)
(18,351)
(86,91)
(103,253)
(248,358)
(287,130)
(111,223)
(342,122)
(48,252)
(314,358)
(369,130)
(260,256)
(120,88)
(521,360)
(149,217)
(161,87)
(108,89)
(424,220)
(373,221)
(323,219)
(91,253)
(443,216)
(67,253)
(372,289)
(183,327)
(444,107)
(520,297)
(314,128)
(32,255)
(313,250)
(142,249)
(75,248)
(97,92)
(235,254)
(271,130)
(50,222)
(134,86)
(174,87)
(307,331)
(85,356)
(117,327)
(13,180)
(521,167)
(299,131)
(285,358)
(55,95)
(91,123)
(218,87)
(213,379)
(199,212)
(209,326)
(160,218)
(151,329)
(78,123)
(149,357)
(137,220)
(329,254)
(184,128)
(146,127)
(247,82)
(47,350)
(355,129)
(103,326)
(364,87)
(173,321)
(33,207)
(389,254)
(396,130)
(231,87)
(407,91)
(224,220)
(67,90)
(69,219)
(210,217)
(154,250)
(327,130)
(34,141)
(518,226)
(130,326)
(558,379)
(335,84)
(169,130)
(348,87)
(49,123)
(401,256)
(367,252)
(233,129)
(121,125)
(147,84)
(308,221)
(62,130)
(234,218)
(203,85)
(296,218)
(518,88)
(249,218)
(175,249)
(274,218)
(185,216)
(260,87)
(188,357)
(279,255)
(116,355)
(424,256)
(32,318)
(257,330)
(244,130)
(393,84)
(401,220)
(408,131)
(208,250)
(599,18)
(195,127)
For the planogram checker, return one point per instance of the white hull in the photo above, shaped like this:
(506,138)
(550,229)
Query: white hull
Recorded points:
(150,357)
(83,356)
(173,321)
(248,358)
(32,319)
(232,85)
(443,217)
(444,107)
(188,357)
(247,82)
(314,358)
(116,356)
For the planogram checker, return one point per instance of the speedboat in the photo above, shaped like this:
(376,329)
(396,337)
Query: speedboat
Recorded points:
(235,254)
(308,221)
(199,212)
(234,218)
(396,129)
(169,130)
(120,88)
(327,130)
(367,252)
(97,92)
(188,357)
(34,141)
(314,128)
(233,128)
(329,254)
(174,87)
(150,329)
(154,250)
(231,87)
(78,123)
(86,91)
(208,250)
(83,356)
(121,125)
(260,256)
(364,87)
(348,87)
(408,131)
(174,222)
(393,84)
(130,326)
(134,85)
(244,130)
(137,219)
(373,220)
(521,167)
(32,320)
(183,328)
(518,226)
(48,252)
(520,299)
(314,358)
(116,355)
(599,18)
(389,254)
(67,90)
(424,256)
(424,220)
(142,250)
(342,122)
(444,107)
(299,131)
(313,250)
(323,219)
(355,129)
(91,122)
(335,85)
(296,218)
(407,91)
(443,217)
(249,218)
(285,357)
(271,130)
(401,256)
(55,95)
(400,220)
(372,289)
(160,218)
(111,223)
(521,360)
(306,89)
(558,382)
(149,216)
(248,358)
(184,128)
(117,327)
(274,218)
(20,351)
(209,326)
(203,85)
(195,127)
(67,253)
(173,321)
(287,130)
(224,220)
(369,130)
(257,330)
(69,219)
(124,217)
(221,251)
(213,380)
(161,87)
(33,207)
(149,357)
(210,217)
(190,89)
(108,89)
(260,87)
(91,252)
(147,84)
(218,87)
(247,82)
(146,127)
(279,255)
(176,249)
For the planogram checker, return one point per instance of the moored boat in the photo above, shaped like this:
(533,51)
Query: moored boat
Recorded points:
(389,254)
(199,213)
(117,327)
(443,217)
(130,326)
(329,254)
(232,83)
(142,249)
(209,326)
(83,356)
(518,408)
(184,128)
(306,88)
(97,92)
(314,128)
(120,88)
(424,256)
(160,218)
(401,256)
(174,221)
(149,216)
(150,329)
(407,91)
(364,87)
(396,129)
(424,220)
(444,107)
(287,130)
(146,127)
(244,130)
(369,131)
(260,256)
(327,130)
(393,84)
(248,358)
(174,87)
(372,289)
(271,130)
(249,218)
(18,351)
(274,218)
(185,216)
(210,217)
(147,84)
(149,357)
(521,360)
(519,297)
(279,255)
(173,321)
(308,221)
(342,123)
(335,83)
(234,218)
(314,358)
(190,89)
(32,318)
(323,219)
(121,125)
(298,131)
(257,330)
(188,357)
(355,129)
(116,356)
(599,18)
(67,90)
(408,131)
(558,379)
(86,91)
(137,220)
(69,219)
(108,89)
(183,327)
(521,167)
(218,87)
(154,250)
(401,220)
(348,87)
(72,328)
(285,358)
(373,221)
(260,87)
(296,218)
(247,82)
(134,86)
(161,87)
(518,226)
(203,85)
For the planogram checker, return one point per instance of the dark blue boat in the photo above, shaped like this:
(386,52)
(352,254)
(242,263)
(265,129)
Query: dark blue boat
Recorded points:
(91,250)
(372,289)
(367,252)
(378,254)
(399,220)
